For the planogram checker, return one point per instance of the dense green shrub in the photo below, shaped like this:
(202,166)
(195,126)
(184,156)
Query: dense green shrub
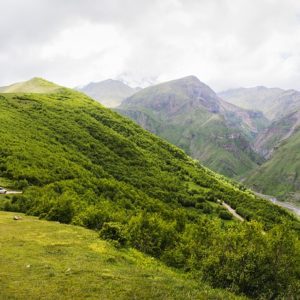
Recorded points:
(114,231)
(225,215)
(151,234)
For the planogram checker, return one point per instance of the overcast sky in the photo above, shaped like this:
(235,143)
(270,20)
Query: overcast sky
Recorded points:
(225,43)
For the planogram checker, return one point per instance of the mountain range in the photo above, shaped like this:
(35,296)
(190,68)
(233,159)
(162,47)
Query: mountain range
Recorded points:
(80,163)
(279,143)
(238,133)
(191,115)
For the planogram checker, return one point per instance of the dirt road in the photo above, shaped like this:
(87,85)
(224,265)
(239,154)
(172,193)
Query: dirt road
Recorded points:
(232,211)
(13,192)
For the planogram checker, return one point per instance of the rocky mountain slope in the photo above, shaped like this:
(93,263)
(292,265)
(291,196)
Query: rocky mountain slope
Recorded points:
(278,143)
(280,175)
(189,114)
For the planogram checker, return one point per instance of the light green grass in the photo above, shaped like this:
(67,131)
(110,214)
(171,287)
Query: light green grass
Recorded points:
(34,85)
(48,260)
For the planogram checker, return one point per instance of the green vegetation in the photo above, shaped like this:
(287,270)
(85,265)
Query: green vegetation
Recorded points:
(279,143)
(46,260)
(280,176)
(80,163)
(35,85)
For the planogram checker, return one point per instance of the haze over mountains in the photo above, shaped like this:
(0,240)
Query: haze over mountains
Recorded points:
(273,102)
(109,92)
(279,142)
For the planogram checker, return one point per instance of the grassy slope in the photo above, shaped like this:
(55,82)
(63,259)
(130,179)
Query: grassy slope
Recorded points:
(280,176)
(47,260)
(93,155)
(204,136)
(35,85)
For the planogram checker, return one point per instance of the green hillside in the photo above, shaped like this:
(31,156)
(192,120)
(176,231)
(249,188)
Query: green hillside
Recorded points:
(187,113)
(280,175)
(46,260)
(278,143)
(78,162)
(204,136)
(35,85)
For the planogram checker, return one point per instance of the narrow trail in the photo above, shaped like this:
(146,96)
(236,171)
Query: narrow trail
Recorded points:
(13,192)
(232,211)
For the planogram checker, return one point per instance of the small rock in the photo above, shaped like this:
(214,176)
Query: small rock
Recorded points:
(16,218)
(28,266)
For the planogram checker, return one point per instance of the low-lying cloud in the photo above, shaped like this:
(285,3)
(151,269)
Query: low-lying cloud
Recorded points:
(226,43)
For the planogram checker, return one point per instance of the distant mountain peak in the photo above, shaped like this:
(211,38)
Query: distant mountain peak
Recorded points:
(33,85)
(178,95)
(109,92)
(190,78)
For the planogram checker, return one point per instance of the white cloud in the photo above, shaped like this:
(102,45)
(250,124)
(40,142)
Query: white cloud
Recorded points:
(226,43)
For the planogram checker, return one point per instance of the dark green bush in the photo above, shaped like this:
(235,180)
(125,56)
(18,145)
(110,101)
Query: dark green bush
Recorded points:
(114,231)
(225,215)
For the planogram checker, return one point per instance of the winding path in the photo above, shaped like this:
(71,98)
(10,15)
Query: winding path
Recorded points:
(232,211)
(13,192)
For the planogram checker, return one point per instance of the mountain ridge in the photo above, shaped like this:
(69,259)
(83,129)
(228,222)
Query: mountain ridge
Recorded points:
(34,85)
(187,112)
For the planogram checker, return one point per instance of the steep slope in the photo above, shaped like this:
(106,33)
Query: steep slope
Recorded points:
(78,162)
(79,142)
(35,85)
(68,262)
(279,142)
(190,115)
(109,92)
(280,175)
(278,131)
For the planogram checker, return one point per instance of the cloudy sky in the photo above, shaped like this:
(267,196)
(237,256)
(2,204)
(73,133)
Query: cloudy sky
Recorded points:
(226,43)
